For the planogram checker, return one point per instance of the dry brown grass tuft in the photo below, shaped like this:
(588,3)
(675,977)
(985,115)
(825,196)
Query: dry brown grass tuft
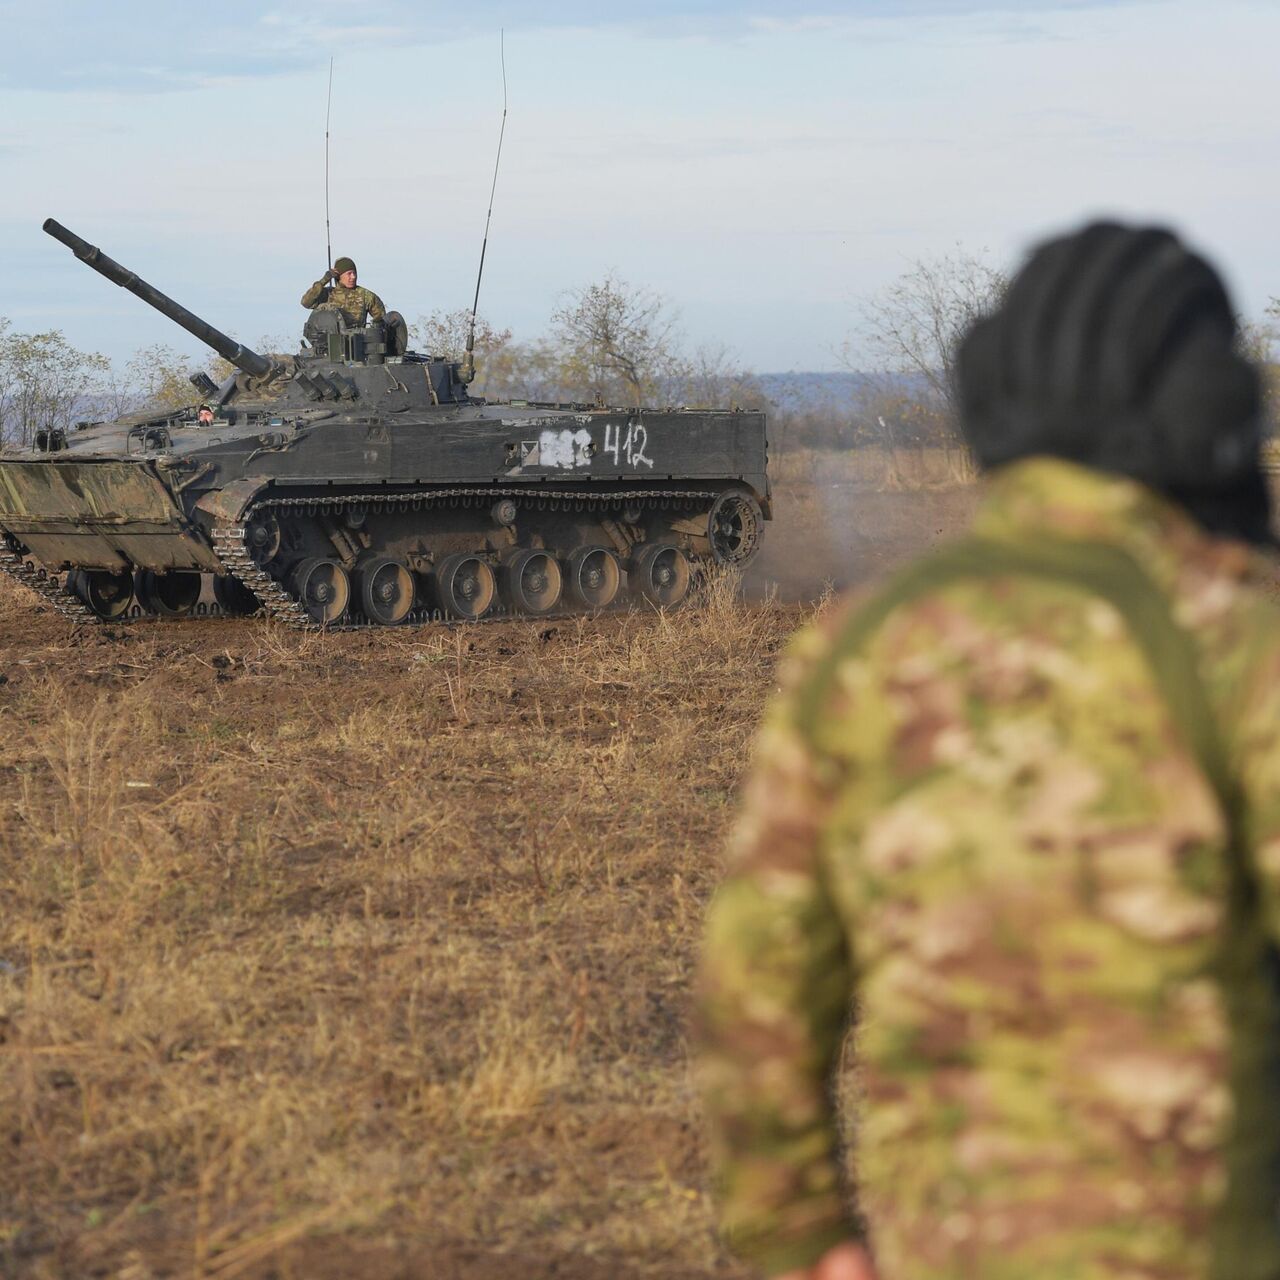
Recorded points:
(364,954)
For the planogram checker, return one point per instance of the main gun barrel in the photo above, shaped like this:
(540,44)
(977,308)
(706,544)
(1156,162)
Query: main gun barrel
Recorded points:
(240,356)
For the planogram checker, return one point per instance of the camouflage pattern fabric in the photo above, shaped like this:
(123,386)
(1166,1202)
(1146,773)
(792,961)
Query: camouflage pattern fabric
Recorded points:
(993,838)
(356,304)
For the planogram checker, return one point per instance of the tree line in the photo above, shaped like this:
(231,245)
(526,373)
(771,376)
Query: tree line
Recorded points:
(46,382)
(608,342)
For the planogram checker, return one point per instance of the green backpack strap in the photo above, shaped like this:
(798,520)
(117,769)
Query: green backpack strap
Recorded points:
(1246,1233)
(1098,569)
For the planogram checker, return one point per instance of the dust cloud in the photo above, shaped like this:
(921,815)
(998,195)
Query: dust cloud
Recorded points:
(846,532)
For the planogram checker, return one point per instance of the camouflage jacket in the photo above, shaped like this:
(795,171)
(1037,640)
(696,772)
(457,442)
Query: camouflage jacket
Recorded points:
(356,304)
(992,840)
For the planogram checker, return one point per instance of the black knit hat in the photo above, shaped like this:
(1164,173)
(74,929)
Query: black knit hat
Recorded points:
(1116,347)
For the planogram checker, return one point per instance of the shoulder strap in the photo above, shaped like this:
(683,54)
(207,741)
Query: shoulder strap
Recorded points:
(1097,568)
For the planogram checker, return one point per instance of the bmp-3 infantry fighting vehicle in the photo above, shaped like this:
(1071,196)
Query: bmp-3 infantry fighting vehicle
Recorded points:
(355,483)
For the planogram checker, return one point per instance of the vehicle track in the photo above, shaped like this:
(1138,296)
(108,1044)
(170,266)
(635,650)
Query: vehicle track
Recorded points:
(230,543)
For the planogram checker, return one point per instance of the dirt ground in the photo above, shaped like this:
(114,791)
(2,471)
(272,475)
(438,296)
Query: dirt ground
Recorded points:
(369,954)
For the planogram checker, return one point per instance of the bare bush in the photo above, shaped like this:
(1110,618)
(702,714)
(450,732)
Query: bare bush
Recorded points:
(914,326)
(1258,343)
(616,339)
(154,380)
(712,379)
(505,368)
(444,334)
(912,330)
(45,383)
(610,342)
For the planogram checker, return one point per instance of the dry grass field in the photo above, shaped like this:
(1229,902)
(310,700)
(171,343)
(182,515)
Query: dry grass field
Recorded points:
(369,954)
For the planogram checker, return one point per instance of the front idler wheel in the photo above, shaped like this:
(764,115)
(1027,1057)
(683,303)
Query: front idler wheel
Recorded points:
(466,586)
(532,581)
(734,526)
(263,537)
(234,597)
(171,595)
(385,590)
(660,574)
(323,589)
(594,577)
(107,594)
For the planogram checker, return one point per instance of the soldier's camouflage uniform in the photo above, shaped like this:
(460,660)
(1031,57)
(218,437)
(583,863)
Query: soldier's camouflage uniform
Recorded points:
(993,840)
(356,304)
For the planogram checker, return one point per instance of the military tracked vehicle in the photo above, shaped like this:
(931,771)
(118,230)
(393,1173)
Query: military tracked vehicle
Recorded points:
(357,483)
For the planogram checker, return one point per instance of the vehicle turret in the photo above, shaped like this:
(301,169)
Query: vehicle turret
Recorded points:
(342,364)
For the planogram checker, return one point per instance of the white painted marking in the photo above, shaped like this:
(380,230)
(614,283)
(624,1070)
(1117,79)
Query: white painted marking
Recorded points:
(565,450)
(632,445)
(637,439)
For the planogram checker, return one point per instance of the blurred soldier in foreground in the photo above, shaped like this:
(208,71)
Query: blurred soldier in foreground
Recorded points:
(1023,806)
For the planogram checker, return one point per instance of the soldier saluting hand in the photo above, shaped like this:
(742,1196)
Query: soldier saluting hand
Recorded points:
(337,288)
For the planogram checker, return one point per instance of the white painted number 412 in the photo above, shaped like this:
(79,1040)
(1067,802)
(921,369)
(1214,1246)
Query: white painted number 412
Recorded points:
(632,445)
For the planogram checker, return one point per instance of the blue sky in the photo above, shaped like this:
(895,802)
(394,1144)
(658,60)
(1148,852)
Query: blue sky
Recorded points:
(764,166)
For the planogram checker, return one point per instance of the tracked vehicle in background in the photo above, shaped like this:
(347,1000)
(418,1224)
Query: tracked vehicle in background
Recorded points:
(356,484)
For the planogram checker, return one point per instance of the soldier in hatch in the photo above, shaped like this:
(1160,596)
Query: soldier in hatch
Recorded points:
(1022,805)
(337,288)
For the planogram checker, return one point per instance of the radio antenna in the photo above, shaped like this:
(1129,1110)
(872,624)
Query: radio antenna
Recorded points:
(328,240)
(469,364)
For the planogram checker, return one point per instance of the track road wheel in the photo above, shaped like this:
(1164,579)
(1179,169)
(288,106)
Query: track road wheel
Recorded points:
(385,590)
(171,595)
(594,577)
(323,589)
(659,574)
(108,594)
(465,586)
(532,581)
(233,596)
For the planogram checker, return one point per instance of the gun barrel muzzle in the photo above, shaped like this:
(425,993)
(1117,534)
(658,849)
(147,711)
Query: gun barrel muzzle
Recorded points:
(240,356)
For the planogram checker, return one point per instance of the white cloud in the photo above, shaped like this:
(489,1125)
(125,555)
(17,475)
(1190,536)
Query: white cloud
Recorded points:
(763,182)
